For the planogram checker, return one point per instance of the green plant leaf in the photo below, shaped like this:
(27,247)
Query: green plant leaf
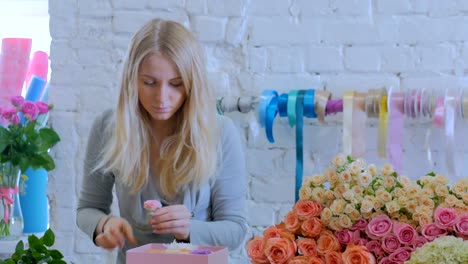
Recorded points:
(48,138)
(50,164)
(55,254)
(4,138)
(57,261)
(19,246)
(48,238)
(34,241)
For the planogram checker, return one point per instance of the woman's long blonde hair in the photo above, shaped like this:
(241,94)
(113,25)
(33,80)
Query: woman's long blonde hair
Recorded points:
(190,154)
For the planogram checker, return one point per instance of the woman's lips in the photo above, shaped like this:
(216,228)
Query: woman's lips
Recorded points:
(161,109)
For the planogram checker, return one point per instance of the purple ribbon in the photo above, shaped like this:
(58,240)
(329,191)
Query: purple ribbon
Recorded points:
(334,106)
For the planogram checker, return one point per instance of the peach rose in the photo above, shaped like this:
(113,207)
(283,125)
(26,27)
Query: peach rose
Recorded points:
(280,250)
(305,209)
(315,260)
(299,260)
(291,222)
(311,227)
(255,251)
(333,258)
(272,231)
(328,242)
(358,255)
(307,246)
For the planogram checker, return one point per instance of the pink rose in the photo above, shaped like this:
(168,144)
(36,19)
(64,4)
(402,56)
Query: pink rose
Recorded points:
(42,107)
(405,233)
(29,110)
(432,231)
(445,217)
(379,227)
(360,225)
(359,242)
(152,205)
(17,101)
(8,113)
(419,242)
(461,226)
(15,119)
(401,255)
(386,260)
(344,236)
(390,243)
(375,247)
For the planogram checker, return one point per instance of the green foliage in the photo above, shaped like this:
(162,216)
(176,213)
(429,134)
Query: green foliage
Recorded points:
(38,252)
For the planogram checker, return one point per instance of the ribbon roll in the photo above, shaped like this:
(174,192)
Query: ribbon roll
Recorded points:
(334,106)
(321,100)
(292,98)
(372,100)
(283,105)
(383,125)
(309,104)
(450,106)
(439,113)
(464,105)
(359,125)
(396,124)
(265,98)
(348,122)
(299,107)
(271,112)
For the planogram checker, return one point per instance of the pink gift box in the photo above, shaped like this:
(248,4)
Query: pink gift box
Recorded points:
(146,255)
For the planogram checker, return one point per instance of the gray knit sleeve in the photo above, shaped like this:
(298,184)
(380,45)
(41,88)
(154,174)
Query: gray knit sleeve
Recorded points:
(96,190)
(228,197)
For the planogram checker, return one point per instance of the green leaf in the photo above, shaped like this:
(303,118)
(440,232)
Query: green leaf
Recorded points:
(4,138)
(431,174)
(34,241)
(57,261)
(9,261)
(19,246)
(50,164)
(55,254)
(48,138)
(48,238)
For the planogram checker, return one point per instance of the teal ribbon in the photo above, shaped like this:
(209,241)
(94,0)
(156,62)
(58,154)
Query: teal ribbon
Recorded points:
(309,104)
(299,142)
(272,110)
(292,97)
(283,105)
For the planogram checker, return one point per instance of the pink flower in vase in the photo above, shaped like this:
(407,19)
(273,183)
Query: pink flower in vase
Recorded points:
(30,110)
(42,107)
(17,101)
(152,205)
(8,113)
(15,119)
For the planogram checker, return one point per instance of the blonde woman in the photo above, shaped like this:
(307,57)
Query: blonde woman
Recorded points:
(164,141)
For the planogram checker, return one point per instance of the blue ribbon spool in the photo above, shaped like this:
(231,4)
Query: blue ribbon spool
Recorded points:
(265,98)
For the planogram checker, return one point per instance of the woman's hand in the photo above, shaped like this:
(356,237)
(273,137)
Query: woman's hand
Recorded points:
(174,219)
(115,231)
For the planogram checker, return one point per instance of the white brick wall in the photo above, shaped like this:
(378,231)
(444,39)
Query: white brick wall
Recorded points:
(254,45)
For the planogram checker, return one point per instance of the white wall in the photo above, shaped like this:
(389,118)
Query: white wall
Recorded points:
(254,45)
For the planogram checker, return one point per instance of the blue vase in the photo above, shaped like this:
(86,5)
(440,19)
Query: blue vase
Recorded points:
(34,202)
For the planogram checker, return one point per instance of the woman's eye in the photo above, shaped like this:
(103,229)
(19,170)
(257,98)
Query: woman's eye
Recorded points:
(177,84)
(148,82)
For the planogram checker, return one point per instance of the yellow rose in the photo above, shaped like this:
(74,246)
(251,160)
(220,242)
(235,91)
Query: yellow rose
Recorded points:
(413,192)
(361,163)
(364,179)
(394,215)
(372,169)
(305,193)
(465,198)
(424,220)
(392,207)
(332,176)
(326,214)
(384,196)
(403,218)
(345,222)
(355,215)
(442,190)
(402,201)
(377,204)
(367,215)
(458,188)
(307,181)
(367,206)
(317,179)
(426,180)
(358,190)
(318,195)
(404,181)
(428,192)
(329,195)
(345,176)
(338,206)
(387,170)
(424,210)
(398,192)
(339,160)
(348,195)
(440,180)
(427,202)
(450,200)
(412,205)
(389,181)
(334,223)
(349,208)
(354,169)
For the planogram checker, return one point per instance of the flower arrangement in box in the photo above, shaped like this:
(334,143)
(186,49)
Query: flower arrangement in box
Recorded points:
(25,141)
(355,213)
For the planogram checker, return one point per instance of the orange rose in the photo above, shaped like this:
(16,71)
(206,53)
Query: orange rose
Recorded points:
(358,254)
(255,251)
(272,231)
(299,260)
(307,246)
(328,242)
(311,227)
(316,260)
(291,222)
(305,209)
(280,250)
(334,258)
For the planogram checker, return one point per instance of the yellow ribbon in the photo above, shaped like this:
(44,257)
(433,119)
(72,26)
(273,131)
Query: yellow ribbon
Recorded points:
(359,125)
(320,104)
(348,122)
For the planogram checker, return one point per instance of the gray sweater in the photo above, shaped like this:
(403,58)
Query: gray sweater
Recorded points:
(219,205)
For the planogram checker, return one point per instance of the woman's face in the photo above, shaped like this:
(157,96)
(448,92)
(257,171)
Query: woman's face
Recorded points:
(160,88)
